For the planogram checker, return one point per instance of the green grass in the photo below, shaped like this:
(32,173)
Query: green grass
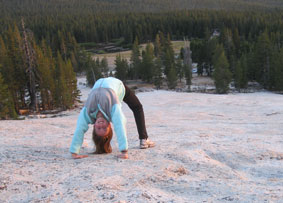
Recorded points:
(118,42)
(88,45)
(177,45)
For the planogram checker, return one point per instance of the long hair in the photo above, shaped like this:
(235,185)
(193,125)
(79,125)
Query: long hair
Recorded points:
(102,143)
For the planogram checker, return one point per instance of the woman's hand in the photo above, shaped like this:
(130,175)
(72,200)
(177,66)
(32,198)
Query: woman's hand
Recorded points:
(77,156)
(123,155)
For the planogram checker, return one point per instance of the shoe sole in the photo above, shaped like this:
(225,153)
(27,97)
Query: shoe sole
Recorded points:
(145,147)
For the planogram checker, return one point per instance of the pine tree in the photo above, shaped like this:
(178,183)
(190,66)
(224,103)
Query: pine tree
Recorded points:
(188,63)
(172,79)
(157,76)
(121,67)
(5,61)
(17,81)
(188,74)
(237,42)
(104,67)
(71,82)
(238,75)
(97,64)
(147,64)
(209,49)
(278,72)
(179,68)
(51,61)
(30,58)
(72,45)
(91,69)
(222,75)
(262,59)
(168,55)
(128,36)
(61,96)
(168,62)
(46,82)
(74,61)
(252,67)
(84,59)
(157,46)
(241,80)
(63,48)
(227,39)
(197,47)
(7,109)
(135,61)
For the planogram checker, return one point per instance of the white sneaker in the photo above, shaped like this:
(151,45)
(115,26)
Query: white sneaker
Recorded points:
(146,143)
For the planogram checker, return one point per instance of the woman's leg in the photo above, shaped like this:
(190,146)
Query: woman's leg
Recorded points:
(134,104)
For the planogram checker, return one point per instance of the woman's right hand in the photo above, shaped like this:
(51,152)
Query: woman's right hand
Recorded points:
(123,155)
(77,156)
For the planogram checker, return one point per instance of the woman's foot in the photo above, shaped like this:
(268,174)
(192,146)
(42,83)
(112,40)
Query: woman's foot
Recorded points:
(146,143)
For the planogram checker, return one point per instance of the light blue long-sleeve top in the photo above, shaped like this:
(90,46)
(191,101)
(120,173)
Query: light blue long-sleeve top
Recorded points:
(106,96)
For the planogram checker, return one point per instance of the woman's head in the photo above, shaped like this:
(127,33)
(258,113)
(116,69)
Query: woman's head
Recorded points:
(102,142)
(101,126)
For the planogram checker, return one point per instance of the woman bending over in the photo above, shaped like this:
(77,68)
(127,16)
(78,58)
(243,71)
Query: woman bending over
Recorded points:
(103,106)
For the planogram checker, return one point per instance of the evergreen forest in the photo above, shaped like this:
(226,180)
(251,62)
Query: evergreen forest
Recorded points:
(44,45)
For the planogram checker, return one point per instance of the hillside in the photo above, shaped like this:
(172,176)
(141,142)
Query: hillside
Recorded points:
(209,148)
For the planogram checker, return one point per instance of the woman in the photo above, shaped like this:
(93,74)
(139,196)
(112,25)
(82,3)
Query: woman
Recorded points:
(104,106)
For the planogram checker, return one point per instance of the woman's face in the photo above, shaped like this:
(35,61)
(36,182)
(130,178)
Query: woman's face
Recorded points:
(101,126)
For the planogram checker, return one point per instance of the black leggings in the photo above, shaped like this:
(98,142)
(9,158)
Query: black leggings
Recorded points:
(134,104)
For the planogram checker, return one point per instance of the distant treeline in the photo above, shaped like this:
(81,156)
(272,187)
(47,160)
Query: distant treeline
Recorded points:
(101,21)
(75,7)
(249,42)
(105,27)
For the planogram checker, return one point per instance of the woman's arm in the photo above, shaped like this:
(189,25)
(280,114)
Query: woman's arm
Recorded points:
(119,122)
(82,127)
